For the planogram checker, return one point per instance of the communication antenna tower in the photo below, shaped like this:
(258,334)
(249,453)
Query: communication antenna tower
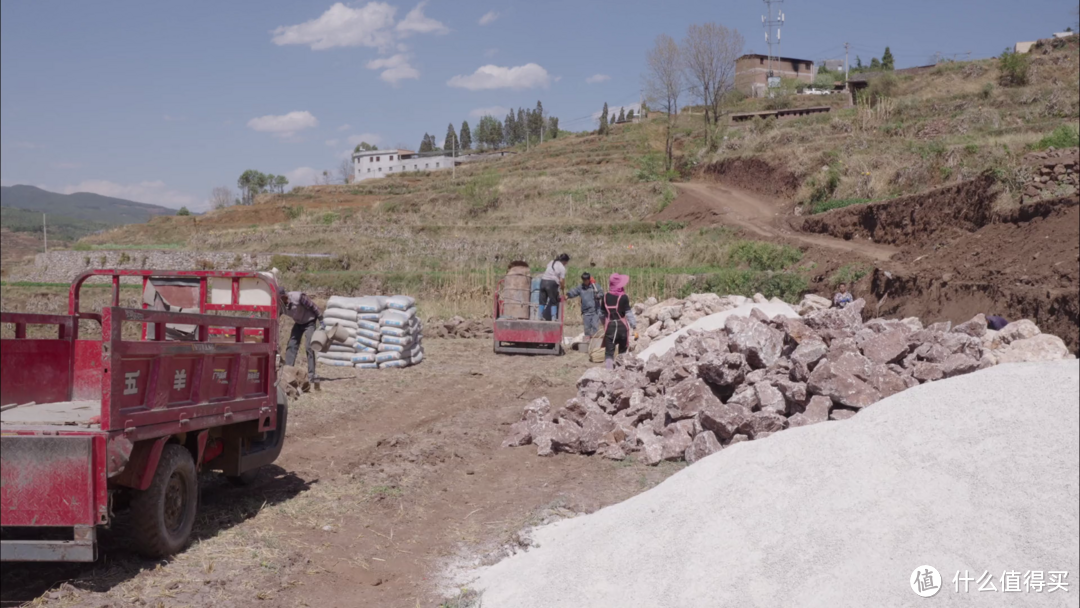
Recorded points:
(772,22)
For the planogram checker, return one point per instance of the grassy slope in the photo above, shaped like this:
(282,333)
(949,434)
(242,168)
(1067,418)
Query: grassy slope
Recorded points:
(436,235)
(935,128)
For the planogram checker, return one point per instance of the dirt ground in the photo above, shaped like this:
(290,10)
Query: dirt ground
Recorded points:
(386,477)
(708,203)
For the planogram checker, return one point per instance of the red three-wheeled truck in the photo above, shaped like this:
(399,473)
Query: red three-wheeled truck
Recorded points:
(138,402)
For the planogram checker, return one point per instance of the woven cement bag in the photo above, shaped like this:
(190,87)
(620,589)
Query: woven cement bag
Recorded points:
(397,318)
(364,358)
(367,333)
(368,316)
(340,313)
(367,341)
(412,328)
(388,356)
(406,341)
(417,358)
(394,364)
(400,303)
(369,325)
(367,366)
(341,322)
(333,362)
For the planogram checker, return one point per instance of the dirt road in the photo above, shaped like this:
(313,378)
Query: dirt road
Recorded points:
(386,477)
(704,203)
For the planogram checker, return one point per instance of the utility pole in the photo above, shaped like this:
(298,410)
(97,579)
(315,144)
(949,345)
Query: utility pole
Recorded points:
(541,128)
(847,47)
(45,231)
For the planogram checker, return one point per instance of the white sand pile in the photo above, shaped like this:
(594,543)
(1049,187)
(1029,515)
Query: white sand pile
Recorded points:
(976,473)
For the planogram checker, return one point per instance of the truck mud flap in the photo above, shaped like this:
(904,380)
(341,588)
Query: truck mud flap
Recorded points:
(268,450)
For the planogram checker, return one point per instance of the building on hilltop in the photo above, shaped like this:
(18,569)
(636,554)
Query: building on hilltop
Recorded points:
(369,164)
(752,72)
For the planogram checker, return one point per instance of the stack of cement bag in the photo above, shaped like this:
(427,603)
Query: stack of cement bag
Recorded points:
(383,332)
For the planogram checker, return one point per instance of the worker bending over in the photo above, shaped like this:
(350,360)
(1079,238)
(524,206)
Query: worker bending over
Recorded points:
(305,315)
(590,303)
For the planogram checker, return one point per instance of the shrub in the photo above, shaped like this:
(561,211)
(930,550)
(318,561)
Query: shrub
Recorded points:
(849,274)
(1065,136)
(482,192)
(759,255)
(840,203)
(329,218)
(651,168)
(823,187)
(1013,69)
(80,246)
(787,286)
(183,211)
(293,212)
(987,90)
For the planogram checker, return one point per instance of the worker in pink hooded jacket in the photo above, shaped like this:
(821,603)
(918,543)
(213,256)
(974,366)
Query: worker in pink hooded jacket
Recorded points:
(618,318)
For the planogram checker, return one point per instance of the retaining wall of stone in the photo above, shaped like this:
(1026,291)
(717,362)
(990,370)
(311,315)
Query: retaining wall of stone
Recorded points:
(63,266)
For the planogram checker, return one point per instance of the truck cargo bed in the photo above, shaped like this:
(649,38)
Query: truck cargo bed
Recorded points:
(67,413)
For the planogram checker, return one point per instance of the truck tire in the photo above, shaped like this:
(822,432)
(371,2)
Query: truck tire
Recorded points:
(163,514)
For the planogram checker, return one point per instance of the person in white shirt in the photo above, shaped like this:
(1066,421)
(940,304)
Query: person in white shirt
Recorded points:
(552,283)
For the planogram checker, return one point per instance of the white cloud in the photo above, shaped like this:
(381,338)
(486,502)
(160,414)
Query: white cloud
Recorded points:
(597,78)
(284,125)
(526,76)
(371,138)
(344,127)
(341,26)
(303,176)
(417,23)
(496,111)
(489,18)
(153,192)
(491,53)
(395,68)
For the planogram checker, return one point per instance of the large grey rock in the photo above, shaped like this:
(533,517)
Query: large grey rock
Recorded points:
(958,364)
(805,356)
(725,420)
(794,393)
(885,381)
(840,413)
(723,370)
(770,398)
(593,430)
(704,444)
(652,447)
(551,438)
(886,347)
(766,422)
(519,435)
(656,365)
(595,376)
(849,317)
(1040,347)
(841,385)
(690,397)
(677,438)
(759,343)
(745,396)
(1018,330)
(817,409)
(975,328)
(928,372)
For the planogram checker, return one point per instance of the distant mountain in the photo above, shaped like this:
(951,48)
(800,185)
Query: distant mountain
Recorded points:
(80,206)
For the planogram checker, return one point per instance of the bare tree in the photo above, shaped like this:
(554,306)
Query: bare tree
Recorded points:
(326,178)
(221,197)
(663,82)
(709,52)
(345,171)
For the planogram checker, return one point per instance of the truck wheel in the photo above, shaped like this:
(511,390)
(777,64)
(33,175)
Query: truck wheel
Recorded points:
(163,514)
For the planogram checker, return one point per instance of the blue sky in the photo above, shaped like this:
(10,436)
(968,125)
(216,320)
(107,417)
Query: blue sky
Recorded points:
(161,102)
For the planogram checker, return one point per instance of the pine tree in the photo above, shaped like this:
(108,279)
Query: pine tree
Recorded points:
(630,114)
(425,144)
(450,143)
(553,127)
(497,135)
(509,128)
(465,139)
(603,121)
(858,63)
(537,122)
(522,132)
(875,64)
(622,116)
(887,61)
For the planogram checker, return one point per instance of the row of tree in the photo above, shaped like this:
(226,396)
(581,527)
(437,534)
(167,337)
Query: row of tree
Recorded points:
(606,122)
(703,65)
(519,127)
(253,183)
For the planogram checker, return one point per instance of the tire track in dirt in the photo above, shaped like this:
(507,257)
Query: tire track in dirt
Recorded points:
(705,204)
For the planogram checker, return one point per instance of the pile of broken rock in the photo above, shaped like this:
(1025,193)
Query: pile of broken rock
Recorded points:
(757,376)
(660,319)
(457,327)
